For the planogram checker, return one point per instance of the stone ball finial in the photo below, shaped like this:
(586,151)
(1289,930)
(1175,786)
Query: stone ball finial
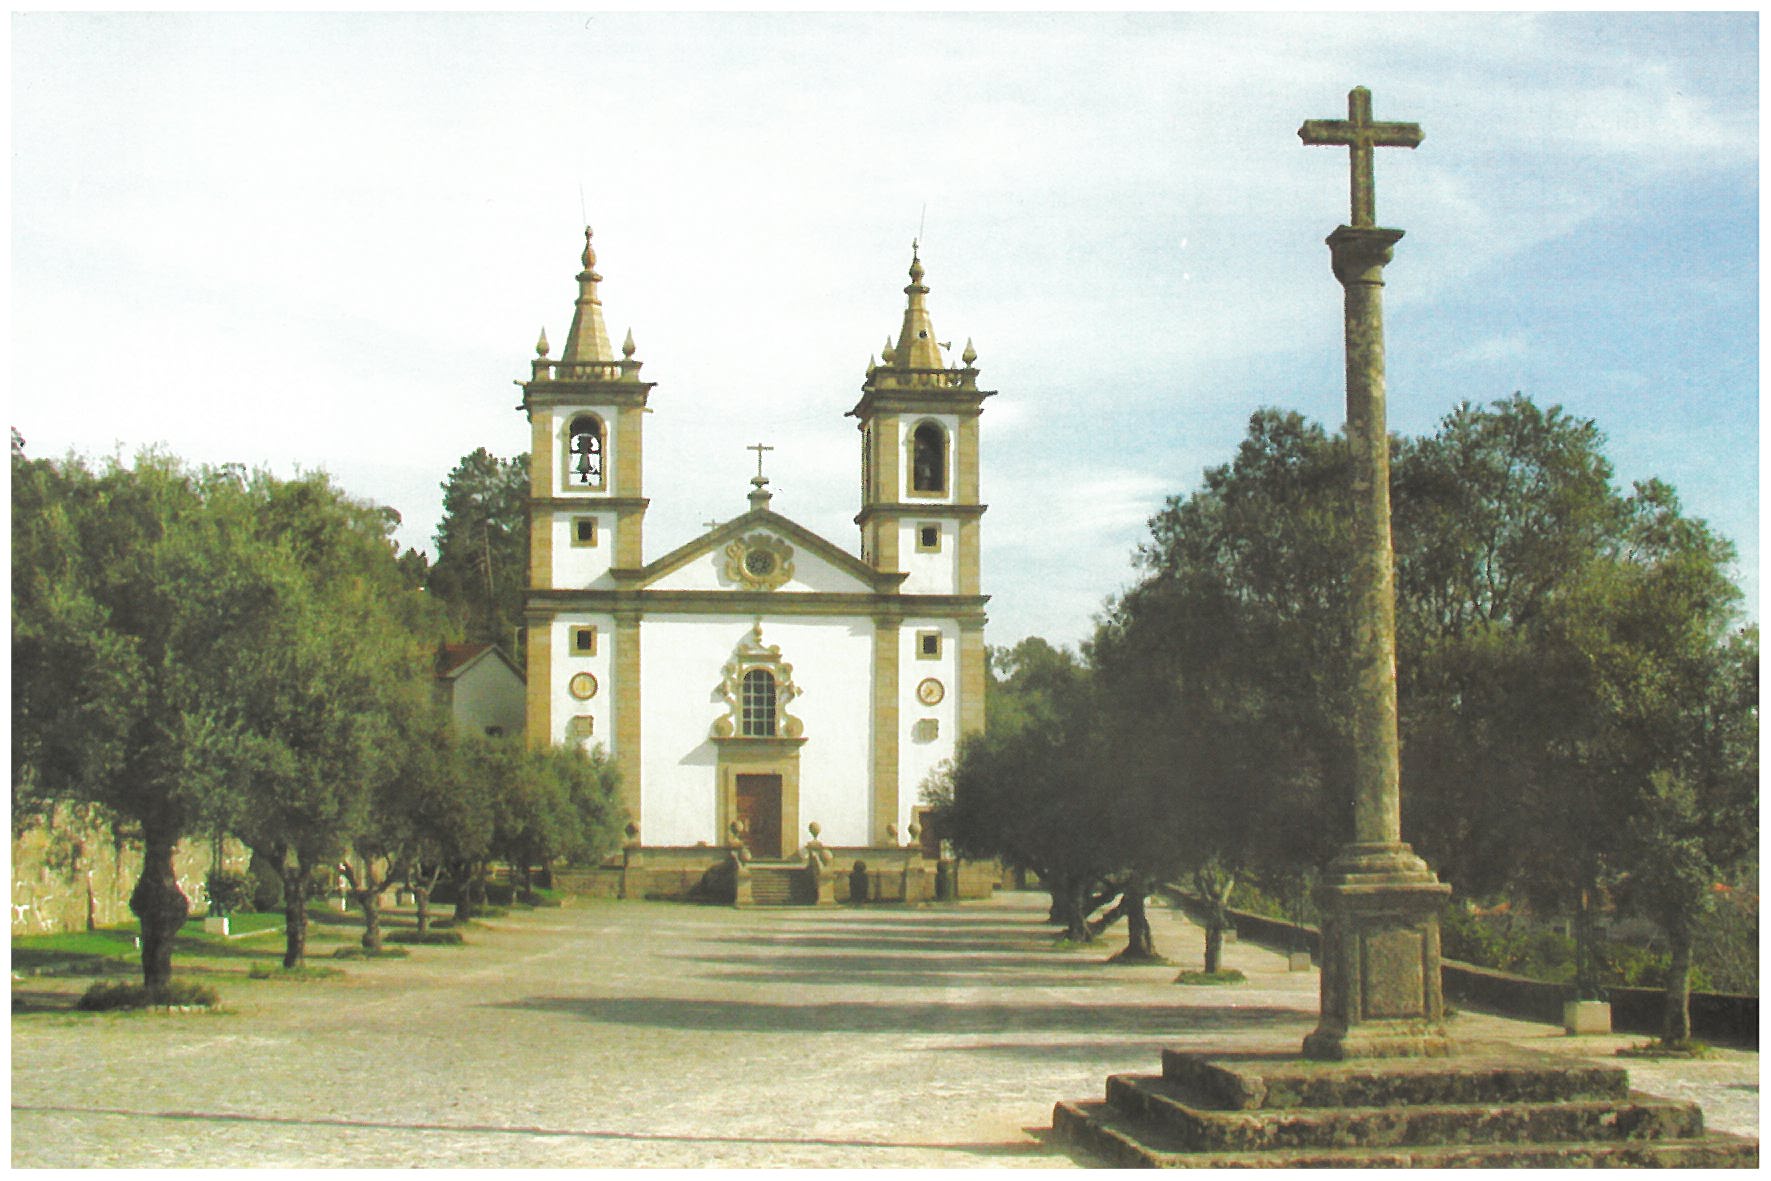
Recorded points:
(915,831)
(627,346)
(633,829)
(892,832)
(916,271)
(815,829)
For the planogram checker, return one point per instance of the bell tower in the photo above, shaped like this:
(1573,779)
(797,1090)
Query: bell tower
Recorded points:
(919,516)
(919,457)
(586,511)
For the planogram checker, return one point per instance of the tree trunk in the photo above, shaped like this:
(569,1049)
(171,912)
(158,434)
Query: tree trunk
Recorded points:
(463,874)
(1076,915)
(160,905)
(1676,1024)
(294,912)
(1214,947)
(1140,940)
(369,899)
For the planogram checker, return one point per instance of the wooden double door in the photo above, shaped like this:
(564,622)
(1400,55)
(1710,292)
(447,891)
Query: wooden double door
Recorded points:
(759,811)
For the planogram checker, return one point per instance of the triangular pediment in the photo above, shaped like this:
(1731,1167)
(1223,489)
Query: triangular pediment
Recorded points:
(763,551)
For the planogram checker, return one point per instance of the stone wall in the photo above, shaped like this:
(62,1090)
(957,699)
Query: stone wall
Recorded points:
(1722,1017)
(70,874)
(697,872)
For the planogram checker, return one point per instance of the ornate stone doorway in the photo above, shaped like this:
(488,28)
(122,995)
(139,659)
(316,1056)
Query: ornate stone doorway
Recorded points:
(759,811)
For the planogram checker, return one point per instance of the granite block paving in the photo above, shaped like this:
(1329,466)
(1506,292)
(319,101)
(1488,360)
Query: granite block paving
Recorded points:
(657,1034)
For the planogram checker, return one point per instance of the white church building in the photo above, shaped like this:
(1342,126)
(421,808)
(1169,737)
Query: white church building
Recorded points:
(759,678)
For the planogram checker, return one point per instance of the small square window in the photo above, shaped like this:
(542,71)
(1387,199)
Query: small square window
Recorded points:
(583,530)
(928,539)
(928,645)
(584,641)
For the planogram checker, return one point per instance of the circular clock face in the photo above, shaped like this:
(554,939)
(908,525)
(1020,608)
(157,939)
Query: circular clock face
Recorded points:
(930,691)
(582,686)
(760,562)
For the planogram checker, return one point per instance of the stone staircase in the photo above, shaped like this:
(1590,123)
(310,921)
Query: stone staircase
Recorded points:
(1278,1111)
(782,883)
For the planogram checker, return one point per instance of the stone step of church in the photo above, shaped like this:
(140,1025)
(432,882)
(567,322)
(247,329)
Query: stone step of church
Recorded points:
(1273,1081)
(1178,1111)
(778,885)
(1126,1141)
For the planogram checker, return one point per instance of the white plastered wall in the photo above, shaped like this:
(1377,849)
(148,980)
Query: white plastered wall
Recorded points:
(919,754)
(488,696)
(929,573)
(566,663)
(579,566)
(684,656)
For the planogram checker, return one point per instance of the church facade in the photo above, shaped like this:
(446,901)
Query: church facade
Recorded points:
(757,679)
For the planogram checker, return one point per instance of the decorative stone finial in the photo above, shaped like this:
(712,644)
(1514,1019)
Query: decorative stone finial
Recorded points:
(814,829)
(589,255)
(541,345)
(970,353)
(627,346)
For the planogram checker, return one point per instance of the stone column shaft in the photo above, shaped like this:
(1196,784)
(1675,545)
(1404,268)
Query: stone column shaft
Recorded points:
(1359,259)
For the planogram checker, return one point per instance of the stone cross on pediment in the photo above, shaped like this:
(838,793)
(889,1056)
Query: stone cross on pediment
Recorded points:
(1358,132)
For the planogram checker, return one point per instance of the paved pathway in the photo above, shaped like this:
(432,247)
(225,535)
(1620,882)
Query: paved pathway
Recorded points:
(640,1034)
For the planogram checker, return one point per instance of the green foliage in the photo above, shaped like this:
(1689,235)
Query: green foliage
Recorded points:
(267,885)
(106,996)
(228,891)
(1222,976)
(433,938)
(354,952)
(482,546)
(301,974)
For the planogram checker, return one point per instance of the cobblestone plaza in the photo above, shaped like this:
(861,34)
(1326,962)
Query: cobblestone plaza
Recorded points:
(658,1034)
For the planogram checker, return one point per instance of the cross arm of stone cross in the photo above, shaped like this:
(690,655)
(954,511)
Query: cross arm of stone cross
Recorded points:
(1358,132)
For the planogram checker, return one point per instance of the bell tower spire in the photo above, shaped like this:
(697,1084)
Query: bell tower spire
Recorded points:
(916,339)
(588,339)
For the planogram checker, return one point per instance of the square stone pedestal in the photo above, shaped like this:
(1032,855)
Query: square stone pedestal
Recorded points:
(1381,993)
(1586,1017)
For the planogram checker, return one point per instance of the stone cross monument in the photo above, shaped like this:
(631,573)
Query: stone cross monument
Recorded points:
(1381,993)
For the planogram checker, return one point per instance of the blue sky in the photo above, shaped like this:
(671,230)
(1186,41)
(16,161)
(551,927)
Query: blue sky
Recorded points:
(329,241)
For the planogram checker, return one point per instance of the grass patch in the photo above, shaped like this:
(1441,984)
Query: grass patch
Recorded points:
(1689,1048)
(360,952)
(433,938)
(1224,976)
(301,973)
(180,994)
(29,951)
(239,923)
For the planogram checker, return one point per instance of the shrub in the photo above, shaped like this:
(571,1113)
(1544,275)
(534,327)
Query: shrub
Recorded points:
(278,972)
(1225,976)
(228,891)
(363,953)
(107,997)
(449,938)
(267,885)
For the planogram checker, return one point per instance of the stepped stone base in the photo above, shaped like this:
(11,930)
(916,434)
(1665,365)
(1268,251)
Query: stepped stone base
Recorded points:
(1274,1111)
